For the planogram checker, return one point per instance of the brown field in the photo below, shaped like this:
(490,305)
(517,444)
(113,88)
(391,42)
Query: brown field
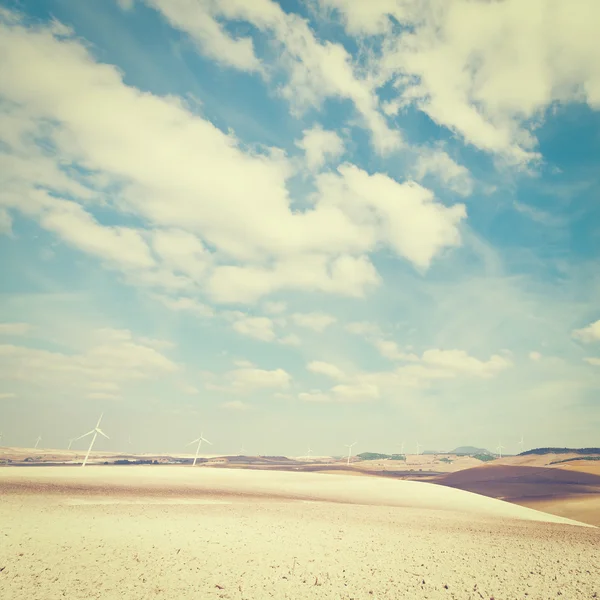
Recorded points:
(181,532)
(571,492)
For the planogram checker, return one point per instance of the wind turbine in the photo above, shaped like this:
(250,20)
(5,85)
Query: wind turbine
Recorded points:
(521,443)
(199,440)
(1,434)
(402,448)
(499,447)
(349,446)
(418,448)
(242,450)
(94,431)
(38,441)
(71,442)
(309,451)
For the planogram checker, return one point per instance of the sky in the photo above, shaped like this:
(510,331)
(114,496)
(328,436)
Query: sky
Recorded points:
(300,224)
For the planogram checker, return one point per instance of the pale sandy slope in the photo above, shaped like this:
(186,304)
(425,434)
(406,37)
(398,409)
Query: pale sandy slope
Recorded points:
(183,533)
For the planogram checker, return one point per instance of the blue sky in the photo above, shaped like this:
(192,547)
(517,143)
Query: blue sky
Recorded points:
(300,223)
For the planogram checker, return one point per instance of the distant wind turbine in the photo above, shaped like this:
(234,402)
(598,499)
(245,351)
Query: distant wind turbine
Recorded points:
(521,444)
(1,434)
(199,440)
(242,450)
(349,446)
(402,448)
(95,433)
(500,447)
(309,451)
(129,441)
(38,441)
(71,442)
(418,448)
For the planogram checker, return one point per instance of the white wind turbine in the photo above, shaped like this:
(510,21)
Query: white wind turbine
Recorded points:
(418,448)
(199,440)
(500,447)
(308,452)
(38,441)
(242,450)
(71,443)
(521,444)
(349,446)
(402,448)
(95,433)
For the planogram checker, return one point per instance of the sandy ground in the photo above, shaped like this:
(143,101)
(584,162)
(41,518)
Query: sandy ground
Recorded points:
(183,533)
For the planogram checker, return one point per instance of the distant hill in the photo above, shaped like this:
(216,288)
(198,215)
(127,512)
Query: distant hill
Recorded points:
(470,450)
(561,451)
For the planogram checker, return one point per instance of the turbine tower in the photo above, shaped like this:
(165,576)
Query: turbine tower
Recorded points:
(521,444)
(1,434)
(349,446)
(402,448)
(418,448)
(38,441)
(499,447)
(199,440)
(308,452)
(95,433)
(242,450)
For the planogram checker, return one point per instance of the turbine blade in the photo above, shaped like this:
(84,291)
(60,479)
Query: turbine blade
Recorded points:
(100,419)
(193,442)
(205,440)
(84,435)
(102,433)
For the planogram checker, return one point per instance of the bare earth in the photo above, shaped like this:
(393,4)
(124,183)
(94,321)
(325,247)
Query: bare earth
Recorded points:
(183,533)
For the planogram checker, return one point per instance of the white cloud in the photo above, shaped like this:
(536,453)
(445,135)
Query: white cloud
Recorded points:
(535,356)
(405,216)
(389,349)
(327,369)
(15,328)
(113,358)
(186,305)
(182,251)
(355,392)
(7,395)
(315,320)
(237,405)
(259,328)
(320,145)
(290,340)
(439,164)
(364,328)
(213,40)
(314,396)
(315,70)
(125,138)
(459,362)
(592,361)
(275,308)
(588,334)
(246,380)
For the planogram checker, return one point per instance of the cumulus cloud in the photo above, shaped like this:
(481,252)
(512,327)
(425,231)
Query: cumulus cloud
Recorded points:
(148,147)
(327,369)
(588,334)
(591,360)
(113,358)
(320,145)
(315,320)
(259,328)
(246,380)
(7,395)
(486,70)
(185,305)
(440,165)
(389,349)
(5,222)
(236,405)
(315,71)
